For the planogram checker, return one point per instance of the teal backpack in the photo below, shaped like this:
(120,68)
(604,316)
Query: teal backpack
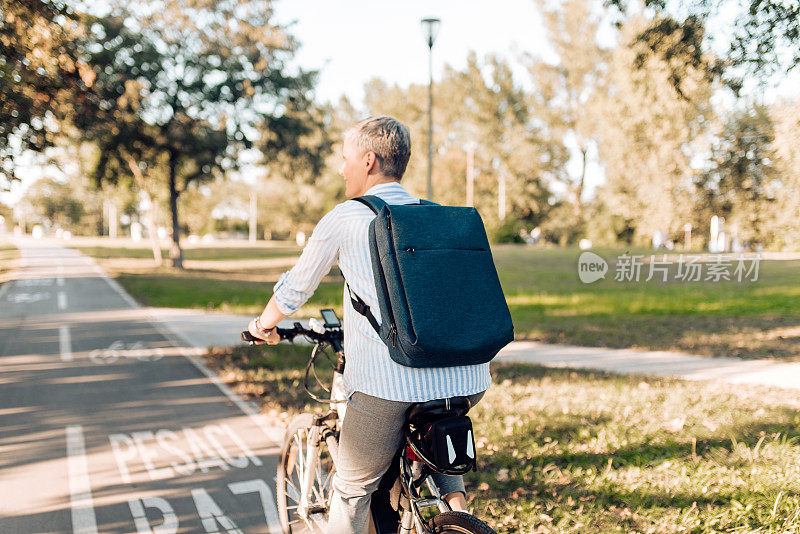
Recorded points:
(438,291)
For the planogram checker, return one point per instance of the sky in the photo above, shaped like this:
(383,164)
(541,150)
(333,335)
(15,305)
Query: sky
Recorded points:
(354,41)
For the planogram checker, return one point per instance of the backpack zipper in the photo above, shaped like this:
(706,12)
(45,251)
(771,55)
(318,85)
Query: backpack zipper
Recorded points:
(392,326)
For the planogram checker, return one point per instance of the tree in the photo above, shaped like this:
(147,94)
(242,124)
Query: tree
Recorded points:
(650,134)
(480,105)
(41,76)
(740,180)
(52,202)
(191,82)
(566,90)
(299,187)
(765,37)
(785,117)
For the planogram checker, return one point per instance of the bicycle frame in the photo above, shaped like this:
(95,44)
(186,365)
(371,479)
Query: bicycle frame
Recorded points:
(412,474)
(312,457)
(317,434)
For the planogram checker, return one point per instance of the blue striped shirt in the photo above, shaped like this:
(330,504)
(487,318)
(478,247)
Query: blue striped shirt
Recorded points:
(342,235)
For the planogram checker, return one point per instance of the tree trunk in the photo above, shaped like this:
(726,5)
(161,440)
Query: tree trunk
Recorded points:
(150,218)
(175,252)
(584,150)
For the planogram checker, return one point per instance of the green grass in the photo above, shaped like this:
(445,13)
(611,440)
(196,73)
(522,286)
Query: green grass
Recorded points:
(224,295)
(196,254)
(588,452)
(728,318)
(548,302)
(564,451)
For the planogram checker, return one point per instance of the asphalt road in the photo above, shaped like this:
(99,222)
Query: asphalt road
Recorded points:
(107,424)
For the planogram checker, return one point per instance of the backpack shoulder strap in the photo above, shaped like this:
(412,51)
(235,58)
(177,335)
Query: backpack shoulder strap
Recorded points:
(373,202)
(362,308)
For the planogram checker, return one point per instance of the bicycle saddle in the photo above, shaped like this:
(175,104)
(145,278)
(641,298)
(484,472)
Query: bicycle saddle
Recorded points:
(422,413)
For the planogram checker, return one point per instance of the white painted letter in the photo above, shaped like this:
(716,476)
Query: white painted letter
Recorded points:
(170,524)
(202,452)
(241,444)
(209,430)
(163,437)
(267,500)
(121,455)
(148,455)
(211,514)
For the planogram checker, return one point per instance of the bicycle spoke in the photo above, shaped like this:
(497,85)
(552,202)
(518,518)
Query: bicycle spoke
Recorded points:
(292,491)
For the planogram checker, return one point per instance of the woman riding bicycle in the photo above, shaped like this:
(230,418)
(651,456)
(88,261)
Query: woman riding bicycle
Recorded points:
(376,152)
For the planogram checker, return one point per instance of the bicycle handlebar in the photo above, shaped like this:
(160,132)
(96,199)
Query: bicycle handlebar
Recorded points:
(298,330)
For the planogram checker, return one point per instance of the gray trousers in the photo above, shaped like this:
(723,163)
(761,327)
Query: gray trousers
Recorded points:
(371,434)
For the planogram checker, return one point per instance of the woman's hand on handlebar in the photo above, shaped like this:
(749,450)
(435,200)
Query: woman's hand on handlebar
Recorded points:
(272,339)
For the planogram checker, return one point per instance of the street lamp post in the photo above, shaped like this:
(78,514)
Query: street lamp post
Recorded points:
(431,27)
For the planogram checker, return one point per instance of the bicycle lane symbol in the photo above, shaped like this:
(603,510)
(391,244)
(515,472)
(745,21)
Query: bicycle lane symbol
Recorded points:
(119,349)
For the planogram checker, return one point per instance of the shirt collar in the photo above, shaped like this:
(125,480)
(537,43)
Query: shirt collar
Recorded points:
(385,187)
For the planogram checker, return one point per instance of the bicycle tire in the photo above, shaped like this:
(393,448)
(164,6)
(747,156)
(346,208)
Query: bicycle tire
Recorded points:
(288,476)
(458,523)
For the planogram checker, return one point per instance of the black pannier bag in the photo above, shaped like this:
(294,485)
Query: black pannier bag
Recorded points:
(446,445)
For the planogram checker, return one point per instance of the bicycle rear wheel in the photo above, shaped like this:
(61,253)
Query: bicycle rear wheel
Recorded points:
(291,473)
(458,523)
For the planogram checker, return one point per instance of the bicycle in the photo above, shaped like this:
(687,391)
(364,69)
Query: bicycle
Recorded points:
(308,456)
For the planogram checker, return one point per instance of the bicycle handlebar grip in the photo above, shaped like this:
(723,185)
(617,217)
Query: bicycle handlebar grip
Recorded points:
(250,338)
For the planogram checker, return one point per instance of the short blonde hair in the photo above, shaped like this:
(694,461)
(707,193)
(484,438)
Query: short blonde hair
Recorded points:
(388,139)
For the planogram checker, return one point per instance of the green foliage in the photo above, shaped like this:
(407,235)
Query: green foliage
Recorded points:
(191,84)
(651,132)
(740,184)
(55,202)
(784,222)
(763,37)
(564,224)
(41,75)
(482,105)
(507,232)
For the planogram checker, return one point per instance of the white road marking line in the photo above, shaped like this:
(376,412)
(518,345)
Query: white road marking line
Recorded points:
(62,300)
(80,489)
(60,272)
(65,343)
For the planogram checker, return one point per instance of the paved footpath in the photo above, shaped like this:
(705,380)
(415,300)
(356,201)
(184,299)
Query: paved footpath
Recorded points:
(202,329)
(660,363)
(110,423)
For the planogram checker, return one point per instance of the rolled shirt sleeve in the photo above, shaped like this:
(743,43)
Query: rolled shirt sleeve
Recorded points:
(296,286)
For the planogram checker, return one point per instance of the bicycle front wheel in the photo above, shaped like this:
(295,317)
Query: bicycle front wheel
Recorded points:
(292,469)
(458,523)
